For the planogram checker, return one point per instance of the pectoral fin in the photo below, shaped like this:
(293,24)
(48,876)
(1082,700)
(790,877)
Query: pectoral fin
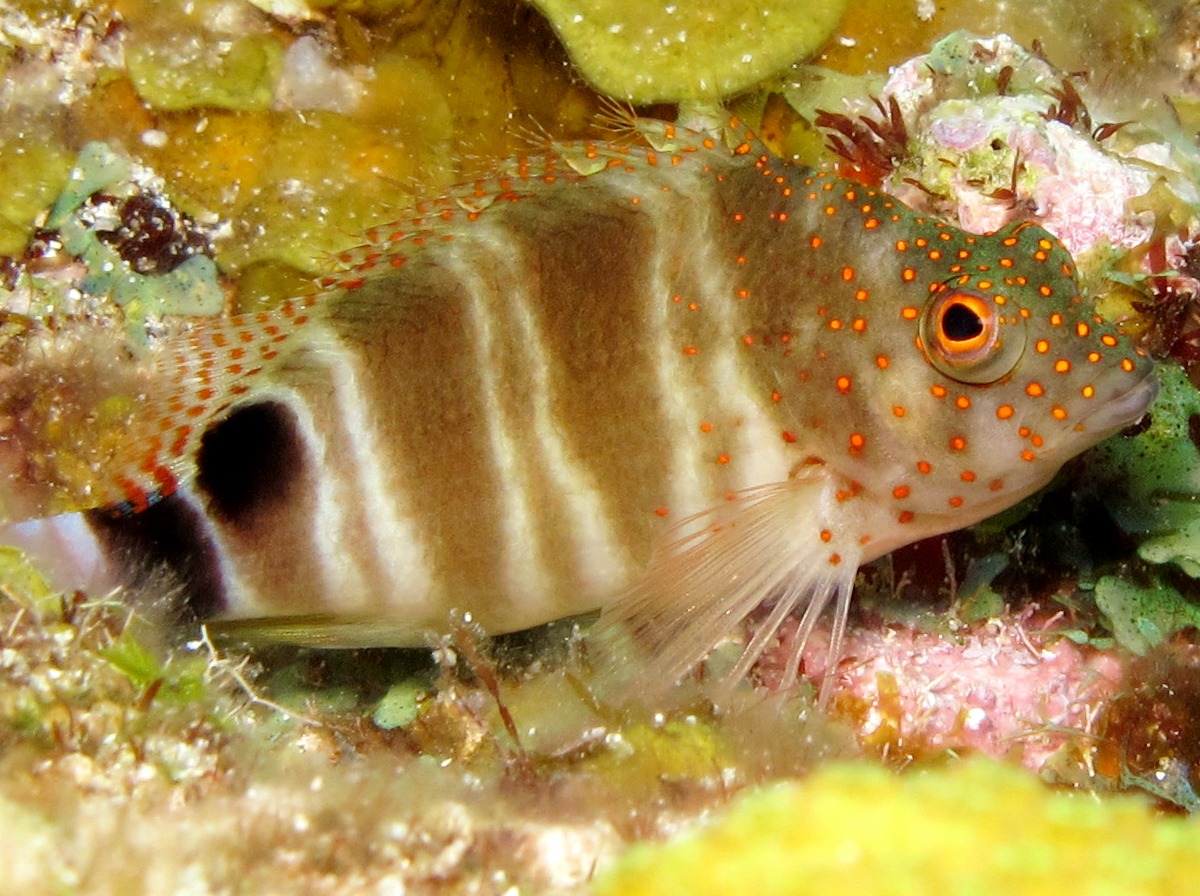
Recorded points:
(791,545)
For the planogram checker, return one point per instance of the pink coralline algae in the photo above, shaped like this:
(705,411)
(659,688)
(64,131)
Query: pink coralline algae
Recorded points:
(1006,687)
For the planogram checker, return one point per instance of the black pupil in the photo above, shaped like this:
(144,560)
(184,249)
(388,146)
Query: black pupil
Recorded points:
(960,323)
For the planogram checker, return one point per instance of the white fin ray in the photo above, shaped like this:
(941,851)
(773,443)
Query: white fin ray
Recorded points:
(714,569)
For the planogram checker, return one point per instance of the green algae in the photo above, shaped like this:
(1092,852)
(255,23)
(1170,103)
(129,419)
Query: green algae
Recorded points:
(33,171)
(685,50)
(969,828)
(1151,482)
(208,54)
(1144,616)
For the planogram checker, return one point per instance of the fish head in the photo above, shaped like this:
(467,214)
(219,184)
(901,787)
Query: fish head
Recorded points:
(995,371)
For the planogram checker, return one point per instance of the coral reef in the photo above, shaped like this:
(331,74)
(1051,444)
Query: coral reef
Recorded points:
(223,151)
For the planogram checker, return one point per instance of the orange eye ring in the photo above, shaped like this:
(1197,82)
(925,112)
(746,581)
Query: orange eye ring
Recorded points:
(965,324)
(965,336)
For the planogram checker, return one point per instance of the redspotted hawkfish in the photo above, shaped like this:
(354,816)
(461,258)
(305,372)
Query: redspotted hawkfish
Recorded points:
(672,377)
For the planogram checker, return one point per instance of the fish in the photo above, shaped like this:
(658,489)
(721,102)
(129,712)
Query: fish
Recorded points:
(669,376)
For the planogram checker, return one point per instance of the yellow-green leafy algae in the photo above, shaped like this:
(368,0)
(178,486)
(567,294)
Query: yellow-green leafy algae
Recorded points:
(973,827)
(1106,34)
(210,53)
(672,50)
(33,171)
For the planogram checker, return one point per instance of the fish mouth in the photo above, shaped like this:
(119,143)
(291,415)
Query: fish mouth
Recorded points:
(1124,409)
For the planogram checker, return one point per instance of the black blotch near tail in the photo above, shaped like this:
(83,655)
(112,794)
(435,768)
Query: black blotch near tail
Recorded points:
(248,461)
(165,551)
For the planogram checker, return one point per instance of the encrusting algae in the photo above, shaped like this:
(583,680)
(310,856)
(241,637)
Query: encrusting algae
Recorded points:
(973,827)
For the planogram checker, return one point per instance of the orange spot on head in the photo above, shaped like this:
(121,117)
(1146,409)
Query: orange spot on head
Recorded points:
(788,436)
(1035,390)
(1062,365)
(1028,455)
(857,442)
(908,275)
(906,516)
(924,466)
(661,511)
(847,274)
(881,361)
(826,535)
(937,390)
(843,384)
(958,443)
(722,458)
(955,501)
(898,410)
(1005,411)
(901,492)
(909,312)
(835,558)
(962,402)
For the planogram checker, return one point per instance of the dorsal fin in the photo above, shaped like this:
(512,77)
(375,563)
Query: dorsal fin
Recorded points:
(635,141)
(200,373)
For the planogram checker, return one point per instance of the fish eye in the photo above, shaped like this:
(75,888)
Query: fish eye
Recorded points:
(965,336)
